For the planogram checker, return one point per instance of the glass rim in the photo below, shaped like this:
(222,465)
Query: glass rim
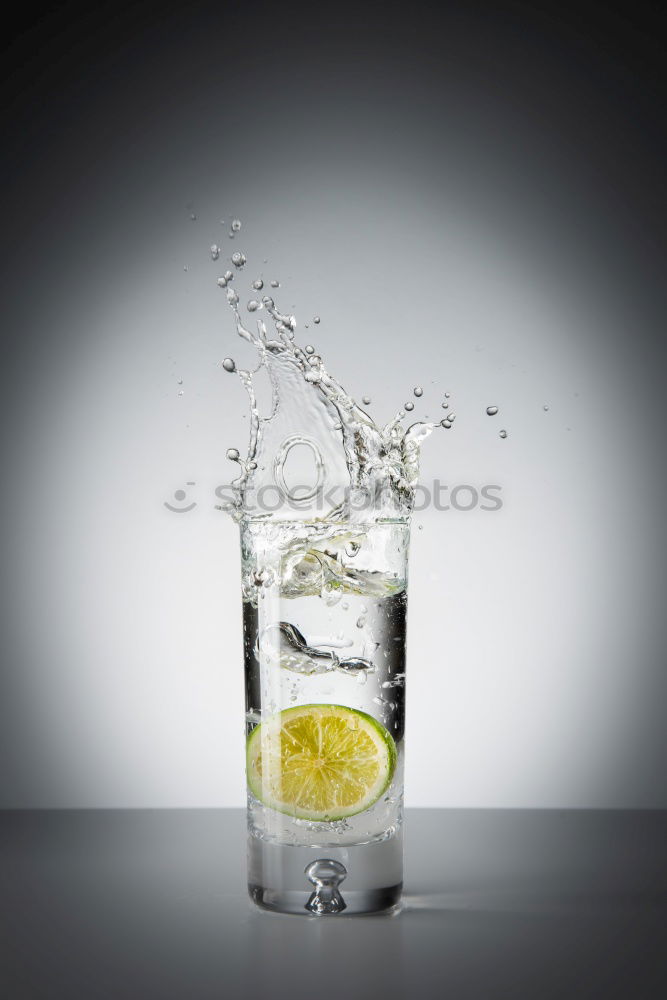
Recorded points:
(320,522)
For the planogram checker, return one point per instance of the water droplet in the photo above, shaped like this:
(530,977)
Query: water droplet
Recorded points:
(445,423)
(418,391)
(491,410)
(238,259)
(180,381)
(236,225)
(408,406)
(361,622)
(545,407)
(313,377)
(366,400)
(316,319)
(186,268)
(364,609)
(232,297)
(450,417)
(275,284)
(252,466)
(309,349)
(222,281)
(503,434)
(193,217)
(180,392)
(268,302)
(233,454)
(258,284)
(215,251)
(253,305)
(447,395)
(345,606)
(229,365)
(445,406)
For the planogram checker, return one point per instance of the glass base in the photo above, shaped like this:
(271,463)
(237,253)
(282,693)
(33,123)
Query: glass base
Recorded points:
(324,881)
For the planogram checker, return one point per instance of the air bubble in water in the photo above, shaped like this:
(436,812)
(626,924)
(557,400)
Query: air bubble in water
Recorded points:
(366,400)
(258,284)
(316,319)
(418,391)
(229,365)
(236,225)
(215,251)
(238,259)
(408,406)
(491,411)
(253,305)
(503,434)
(233,454)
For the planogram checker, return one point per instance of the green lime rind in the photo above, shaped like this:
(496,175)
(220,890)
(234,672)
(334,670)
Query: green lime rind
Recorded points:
(253,749)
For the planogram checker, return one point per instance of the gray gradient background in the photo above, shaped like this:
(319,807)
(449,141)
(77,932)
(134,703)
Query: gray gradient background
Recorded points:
(471,199)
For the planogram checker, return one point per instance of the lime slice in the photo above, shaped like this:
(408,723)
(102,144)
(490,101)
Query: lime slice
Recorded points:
(320,762)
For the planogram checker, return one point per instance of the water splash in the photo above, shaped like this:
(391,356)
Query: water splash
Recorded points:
(315,441)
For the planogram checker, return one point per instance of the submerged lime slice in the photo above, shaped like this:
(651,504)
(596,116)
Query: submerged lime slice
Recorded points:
(320,762)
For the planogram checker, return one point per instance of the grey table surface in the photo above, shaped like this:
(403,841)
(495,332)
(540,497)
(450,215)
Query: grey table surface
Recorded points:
(142,904)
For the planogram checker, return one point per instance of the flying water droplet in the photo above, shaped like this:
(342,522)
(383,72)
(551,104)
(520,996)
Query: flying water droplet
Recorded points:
(236,225)
(232,297)
(418,391)
(180,392)
(215,251)
(445,423)
(445,406)
(545,407)
(361,621)
(258,284)
(268,302)
(491,411)
(238,259)
(275,284)
(180,381)
(503,434)
(408,406)
(366,400)
(229,365)
(253,305)
(447,395)
(316,319)
(309,349)
(233,454)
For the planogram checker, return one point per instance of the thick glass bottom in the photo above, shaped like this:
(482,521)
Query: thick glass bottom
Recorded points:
(326,881)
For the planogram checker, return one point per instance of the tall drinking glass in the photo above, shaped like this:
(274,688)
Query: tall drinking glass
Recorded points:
(324,618)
